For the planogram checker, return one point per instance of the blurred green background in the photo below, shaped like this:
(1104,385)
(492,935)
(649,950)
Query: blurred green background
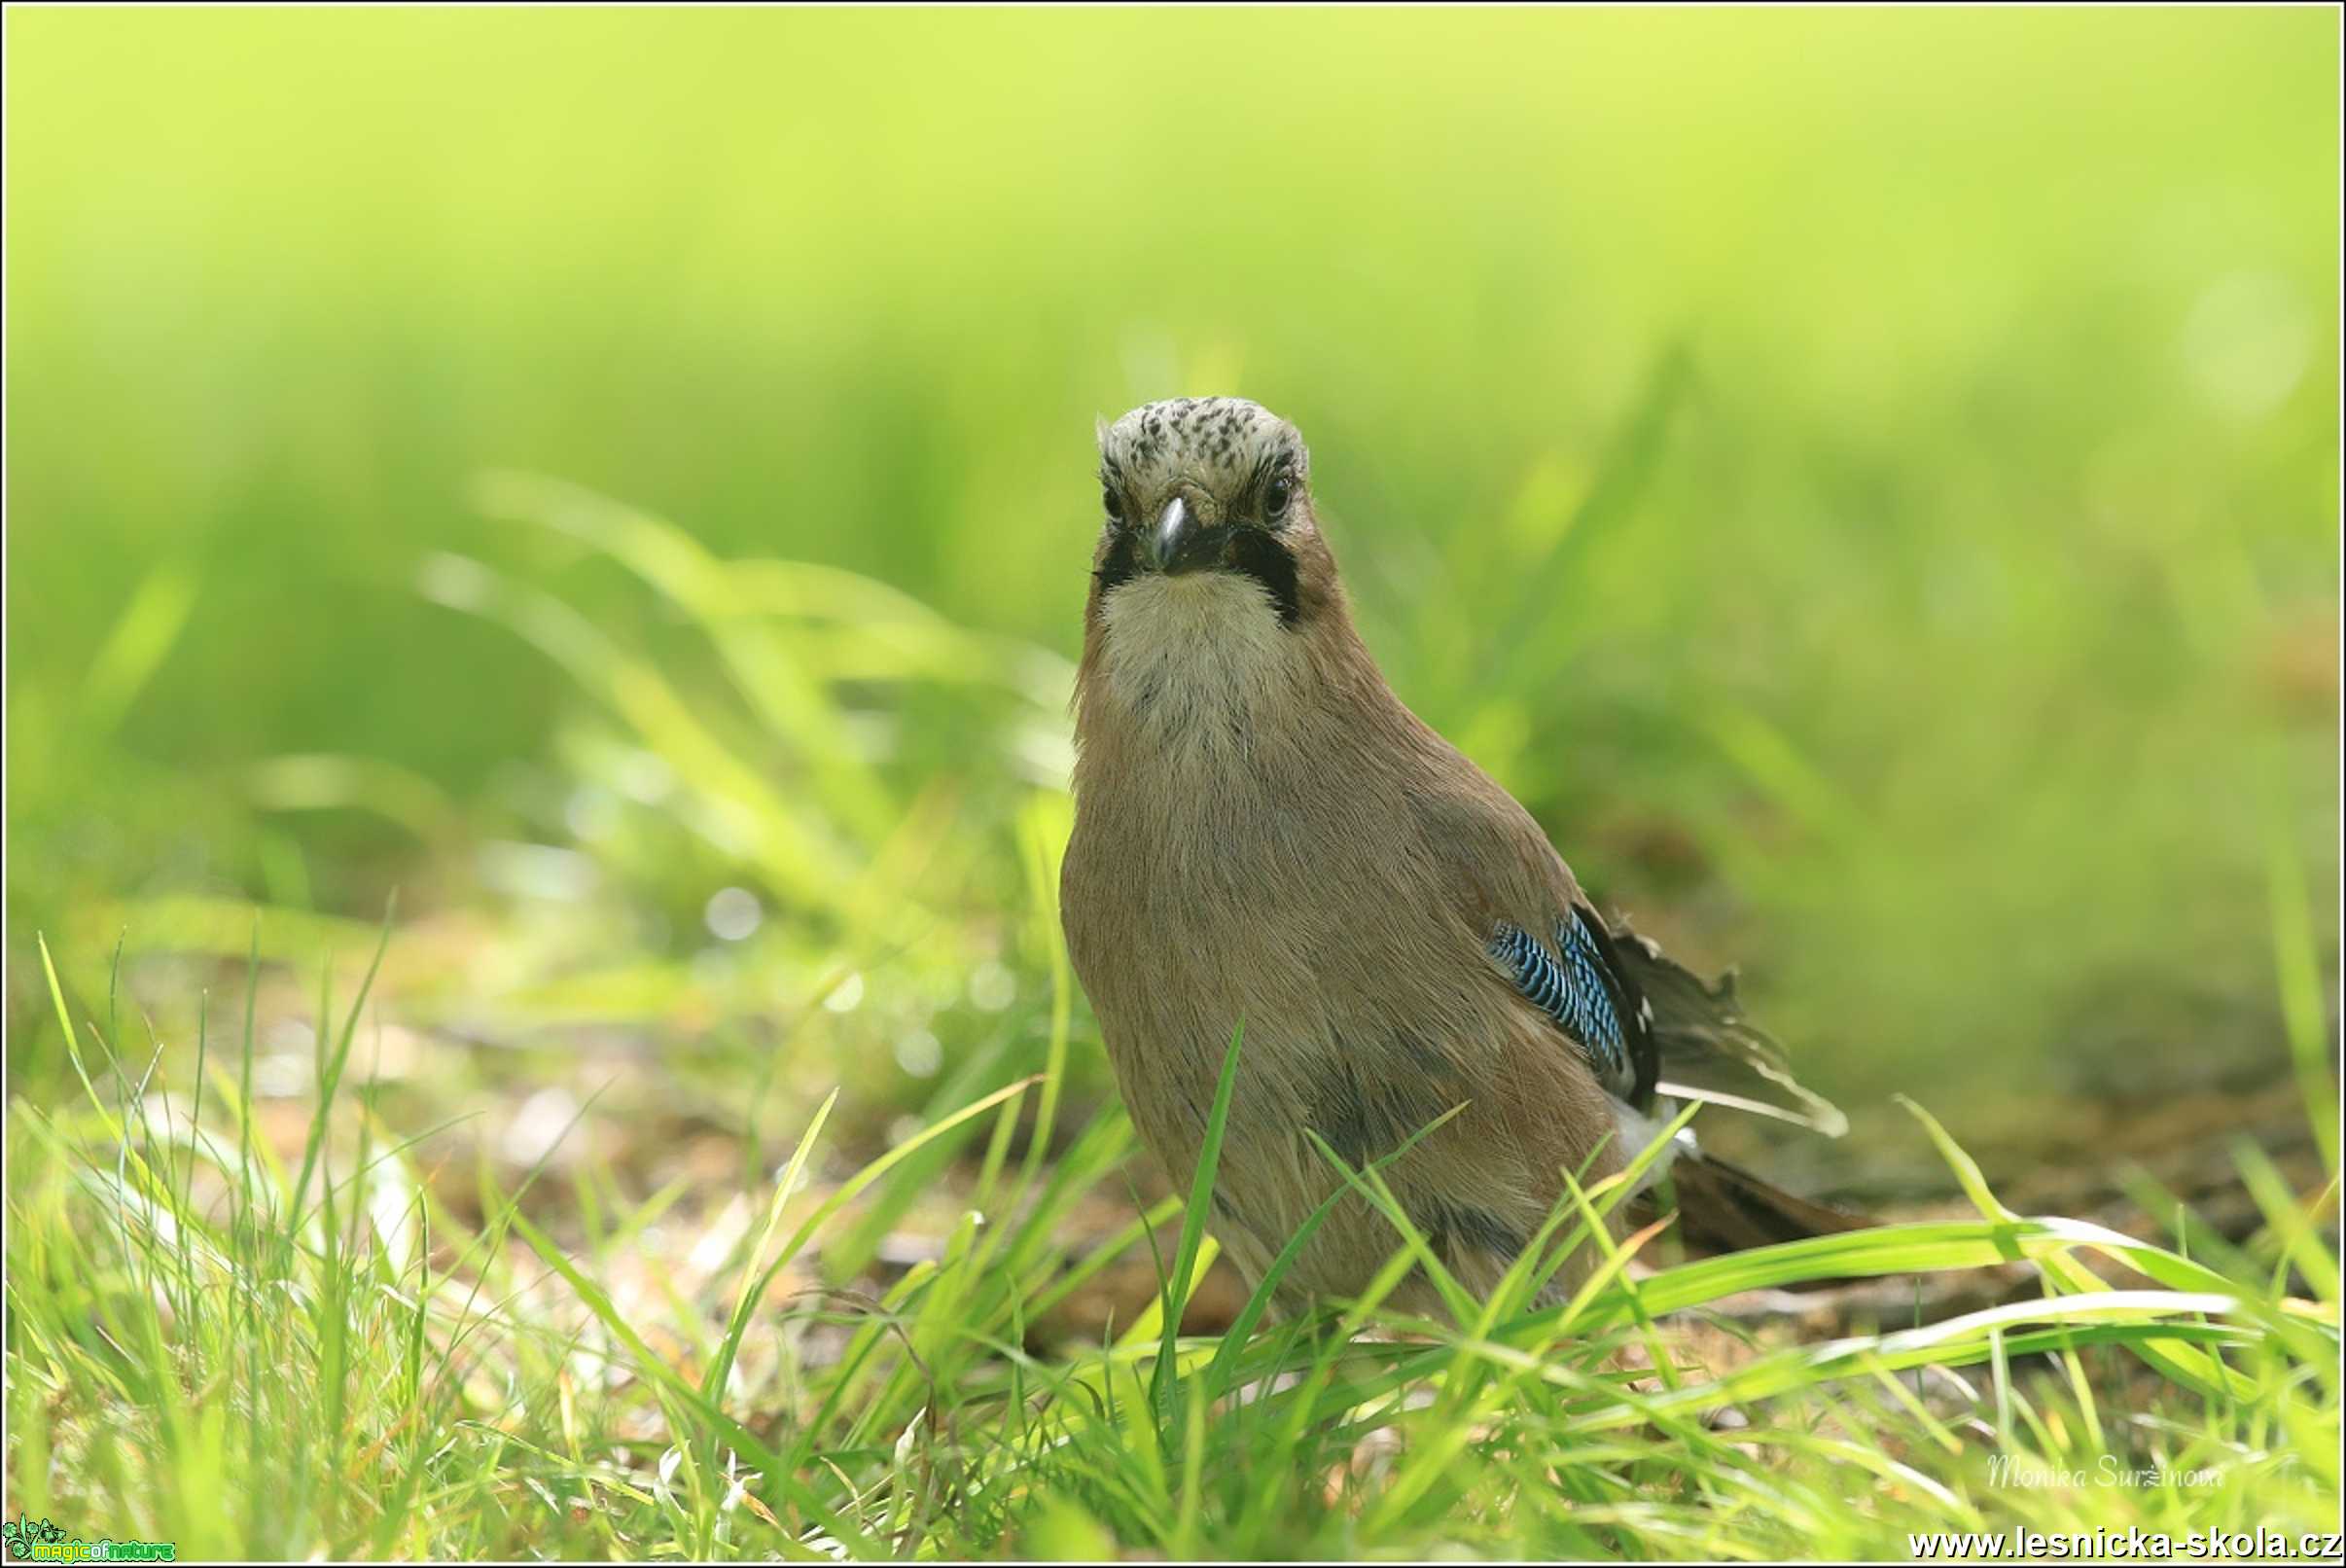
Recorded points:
(1868,481)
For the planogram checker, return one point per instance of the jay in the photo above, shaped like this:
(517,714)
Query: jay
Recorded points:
(1265,834)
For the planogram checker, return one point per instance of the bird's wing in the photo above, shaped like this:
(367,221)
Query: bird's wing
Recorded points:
(1534,923)
(1576,976)
(1708,1049)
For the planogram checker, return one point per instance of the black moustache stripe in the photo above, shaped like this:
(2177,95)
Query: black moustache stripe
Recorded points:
(1250,551)
(1123,563)
(1263,558)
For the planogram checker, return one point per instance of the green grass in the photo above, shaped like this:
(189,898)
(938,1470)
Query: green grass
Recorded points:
(321,1357)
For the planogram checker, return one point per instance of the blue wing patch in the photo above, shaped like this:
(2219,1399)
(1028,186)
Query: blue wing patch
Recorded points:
(1568,984)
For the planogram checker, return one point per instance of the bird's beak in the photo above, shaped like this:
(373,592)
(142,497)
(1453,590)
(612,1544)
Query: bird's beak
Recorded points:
(1177,543)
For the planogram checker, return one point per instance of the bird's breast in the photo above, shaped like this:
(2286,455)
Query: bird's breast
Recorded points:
(1276,885)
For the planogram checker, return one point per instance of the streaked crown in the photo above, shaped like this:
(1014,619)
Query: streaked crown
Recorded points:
(1222,446)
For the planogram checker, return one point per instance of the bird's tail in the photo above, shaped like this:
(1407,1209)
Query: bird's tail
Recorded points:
(1711,1052)
(1726,1208)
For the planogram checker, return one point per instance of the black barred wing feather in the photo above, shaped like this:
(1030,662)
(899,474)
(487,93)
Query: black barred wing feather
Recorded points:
(1578,978)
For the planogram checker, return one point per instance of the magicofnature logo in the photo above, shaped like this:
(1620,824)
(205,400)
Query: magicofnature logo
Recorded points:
(44,1540)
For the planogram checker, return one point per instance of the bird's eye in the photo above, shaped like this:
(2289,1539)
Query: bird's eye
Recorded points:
(1114,502)
(1275,496)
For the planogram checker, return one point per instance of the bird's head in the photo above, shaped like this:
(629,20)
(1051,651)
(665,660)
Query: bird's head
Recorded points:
(1211,584)
(1213,490)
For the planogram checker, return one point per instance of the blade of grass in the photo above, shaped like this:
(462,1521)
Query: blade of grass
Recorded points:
(1177,1285)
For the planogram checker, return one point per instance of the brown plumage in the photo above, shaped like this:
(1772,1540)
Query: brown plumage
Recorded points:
(1264,832)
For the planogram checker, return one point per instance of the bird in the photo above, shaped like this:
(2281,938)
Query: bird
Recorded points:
(1270,846)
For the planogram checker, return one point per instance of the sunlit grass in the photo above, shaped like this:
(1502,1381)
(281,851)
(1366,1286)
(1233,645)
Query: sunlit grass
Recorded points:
(317,1355)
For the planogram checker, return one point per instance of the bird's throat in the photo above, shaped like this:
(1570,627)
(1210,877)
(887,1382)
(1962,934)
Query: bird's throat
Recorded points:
(1200,663)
